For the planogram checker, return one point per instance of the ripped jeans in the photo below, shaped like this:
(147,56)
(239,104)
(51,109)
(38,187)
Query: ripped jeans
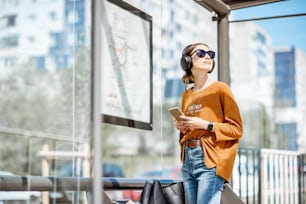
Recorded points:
(202,186)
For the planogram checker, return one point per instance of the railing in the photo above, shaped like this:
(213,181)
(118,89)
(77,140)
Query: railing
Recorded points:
(76,184)
(246,175)
(279,176)
(302,178)
(40,183)
(260,176)
(270,176)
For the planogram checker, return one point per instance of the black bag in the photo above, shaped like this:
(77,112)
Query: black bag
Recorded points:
(229,196)
(154,193)
(175,193)
(107,199)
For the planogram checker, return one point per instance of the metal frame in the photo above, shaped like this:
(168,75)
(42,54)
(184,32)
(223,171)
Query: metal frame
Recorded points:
(222,9)
(97,7)
(59,184)
(128,119)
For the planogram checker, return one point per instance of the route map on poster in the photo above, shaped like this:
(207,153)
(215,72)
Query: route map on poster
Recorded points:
(126,66)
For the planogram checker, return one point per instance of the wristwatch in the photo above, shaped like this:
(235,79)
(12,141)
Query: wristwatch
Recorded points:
(210,126)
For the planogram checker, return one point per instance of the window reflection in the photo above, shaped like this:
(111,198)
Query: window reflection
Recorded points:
(45,80)
(46,89)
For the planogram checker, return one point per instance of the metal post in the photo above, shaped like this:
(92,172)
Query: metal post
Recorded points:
(96,66)
(222,11)
(217,6)
(45,172)
(223,50)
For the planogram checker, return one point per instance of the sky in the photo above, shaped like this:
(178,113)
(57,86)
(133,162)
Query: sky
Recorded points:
(284,31)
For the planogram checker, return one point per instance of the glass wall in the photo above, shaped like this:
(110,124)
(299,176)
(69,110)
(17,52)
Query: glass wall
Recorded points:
(271,63)
(45,66)
(46,86)
(45,83)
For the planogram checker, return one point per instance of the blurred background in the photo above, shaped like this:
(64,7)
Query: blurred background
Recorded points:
(46,84)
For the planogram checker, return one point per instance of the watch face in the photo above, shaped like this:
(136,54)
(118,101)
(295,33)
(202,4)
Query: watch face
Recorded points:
(210,126)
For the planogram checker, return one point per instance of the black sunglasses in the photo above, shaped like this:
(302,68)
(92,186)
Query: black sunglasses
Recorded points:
(202,53)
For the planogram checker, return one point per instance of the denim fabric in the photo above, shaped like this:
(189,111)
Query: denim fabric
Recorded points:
(202,186)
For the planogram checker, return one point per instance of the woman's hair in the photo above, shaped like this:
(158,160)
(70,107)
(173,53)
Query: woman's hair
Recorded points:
(188,77)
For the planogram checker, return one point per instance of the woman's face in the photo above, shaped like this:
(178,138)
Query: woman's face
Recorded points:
(201,60)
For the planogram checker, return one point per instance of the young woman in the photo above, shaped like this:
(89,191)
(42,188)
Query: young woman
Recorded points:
(210,129)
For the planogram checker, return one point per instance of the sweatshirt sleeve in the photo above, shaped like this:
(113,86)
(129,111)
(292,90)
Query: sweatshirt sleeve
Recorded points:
(231,126)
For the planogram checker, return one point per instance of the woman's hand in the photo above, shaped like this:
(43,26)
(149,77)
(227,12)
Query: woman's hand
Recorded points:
(191,123)
(180,126)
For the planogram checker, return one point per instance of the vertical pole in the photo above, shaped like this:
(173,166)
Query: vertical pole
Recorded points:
(223,50)
(86,166)
(260,170)
(86,162)
(96,63)
(264,176)
(295,179)
(45,172)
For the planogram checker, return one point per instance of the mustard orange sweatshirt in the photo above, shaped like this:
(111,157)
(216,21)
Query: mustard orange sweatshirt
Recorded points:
(215,103)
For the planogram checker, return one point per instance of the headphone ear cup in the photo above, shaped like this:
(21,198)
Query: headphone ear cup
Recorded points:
(212,68)
(186,62)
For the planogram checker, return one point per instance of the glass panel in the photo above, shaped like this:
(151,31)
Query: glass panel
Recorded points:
(46,89)
(155,154)
(45,115)
(268,57)
(45,83)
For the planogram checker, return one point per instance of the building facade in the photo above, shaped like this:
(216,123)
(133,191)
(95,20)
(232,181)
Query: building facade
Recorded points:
(289,100)
(43,31)
(268,84)
(252,81)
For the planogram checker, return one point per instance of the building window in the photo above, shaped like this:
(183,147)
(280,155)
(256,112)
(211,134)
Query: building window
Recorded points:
(72,17)
(287,132)
(8,21)
(31,39)
(173,88)
(9,41)
(52,16)
(11,21)
(285,93)
(261,38)
(32,16)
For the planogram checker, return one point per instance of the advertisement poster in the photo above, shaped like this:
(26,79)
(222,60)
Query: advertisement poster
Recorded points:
(126,66)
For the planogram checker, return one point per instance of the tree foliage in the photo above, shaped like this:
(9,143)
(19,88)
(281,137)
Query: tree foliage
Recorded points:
(44,102)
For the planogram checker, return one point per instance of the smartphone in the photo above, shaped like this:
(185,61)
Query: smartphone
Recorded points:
(176,112)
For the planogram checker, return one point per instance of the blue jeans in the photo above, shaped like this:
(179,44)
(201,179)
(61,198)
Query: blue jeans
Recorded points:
(202,186)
